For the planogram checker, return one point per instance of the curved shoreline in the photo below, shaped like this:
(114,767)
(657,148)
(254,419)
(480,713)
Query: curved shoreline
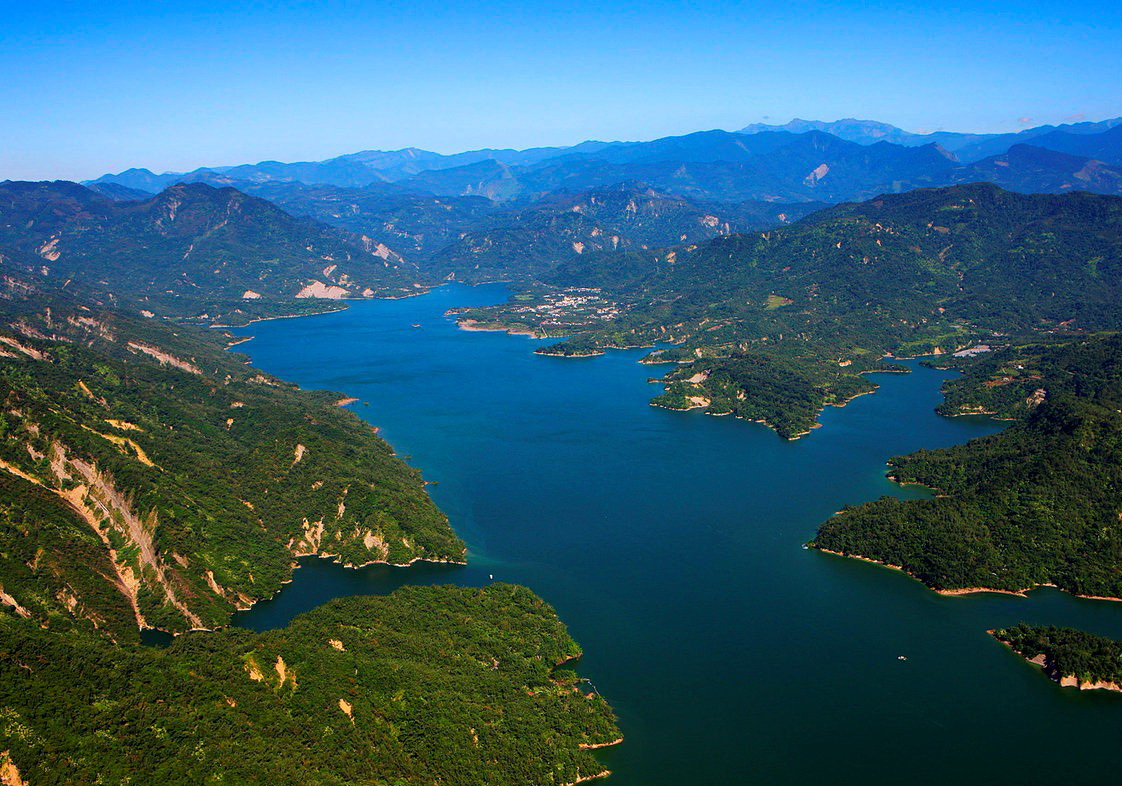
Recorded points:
(1022,593)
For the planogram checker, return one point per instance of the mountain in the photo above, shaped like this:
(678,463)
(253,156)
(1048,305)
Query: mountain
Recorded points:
(801,160)
(353,170)
(477,239)
(864,132)
(1105,146)
(967,147)
(191,249)
(982,146)
(141,420)
(121,193)
(712,165)
(1031,169)
(530,243)
(417,224)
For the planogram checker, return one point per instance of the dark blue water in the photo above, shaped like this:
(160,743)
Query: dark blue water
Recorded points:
(671,545)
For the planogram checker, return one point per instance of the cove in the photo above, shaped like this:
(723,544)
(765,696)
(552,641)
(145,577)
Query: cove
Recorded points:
(670,544)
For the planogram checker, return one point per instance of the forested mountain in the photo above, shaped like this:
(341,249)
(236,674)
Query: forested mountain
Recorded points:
(476,239)
(1030,169)
(775,324)
(190,250)
(1037,504)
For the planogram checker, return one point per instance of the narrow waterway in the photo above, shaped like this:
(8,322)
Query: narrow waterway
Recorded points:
(671,545)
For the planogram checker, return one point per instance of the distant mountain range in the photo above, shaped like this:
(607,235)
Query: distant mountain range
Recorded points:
(758,162)
(966,147)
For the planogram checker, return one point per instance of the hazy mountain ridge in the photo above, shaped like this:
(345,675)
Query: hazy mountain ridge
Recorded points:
(967,146)
(493,173)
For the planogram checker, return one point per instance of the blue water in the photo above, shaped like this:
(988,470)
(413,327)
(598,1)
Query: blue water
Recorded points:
(670,543)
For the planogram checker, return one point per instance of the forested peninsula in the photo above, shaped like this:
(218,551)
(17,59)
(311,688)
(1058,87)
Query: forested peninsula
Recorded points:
(426,685)
(1037,504)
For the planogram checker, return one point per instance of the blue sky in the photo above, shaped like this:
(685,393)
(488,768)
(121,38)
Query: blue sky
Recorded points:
(92,87)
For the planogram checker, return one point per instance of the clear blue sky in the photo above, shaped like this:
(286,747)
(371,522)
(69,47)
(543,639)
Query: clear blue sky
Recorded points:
(92,87)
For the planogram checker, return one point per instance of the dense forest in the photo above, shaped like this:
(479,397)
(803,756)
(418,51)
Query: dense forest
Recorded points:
(426,685)
(1039,503)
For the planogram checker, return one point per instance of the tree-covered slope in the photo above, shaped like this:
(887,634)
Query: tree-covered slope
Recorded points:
(152,478)
(1011,381)
(190,250)
(1039,503)
(426,685)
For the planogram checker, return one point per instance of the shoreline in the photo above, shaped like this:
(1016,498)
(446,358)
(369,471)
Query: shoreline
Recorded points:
(592,746)
(585,778)
(349,566)
(570,355)
(961,591)
(343,300)
(255,320)
(240,607)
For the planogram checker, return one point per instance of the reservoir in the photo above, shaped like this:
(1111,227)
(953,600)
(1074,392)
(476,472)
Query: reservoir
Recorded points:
(671,545)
